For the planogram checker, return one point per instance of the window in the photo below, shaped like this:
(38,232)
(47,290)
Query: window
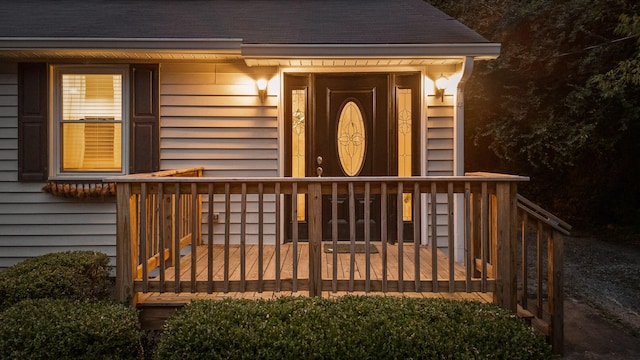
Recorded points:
(89,120)
(110,126)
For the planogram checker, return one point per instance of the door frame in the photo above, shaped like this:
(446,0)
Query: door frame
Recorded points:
(306,80)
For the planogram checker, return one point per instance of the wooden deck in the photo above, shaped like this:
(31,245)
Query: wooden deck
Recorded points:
(164,214)
(157,307)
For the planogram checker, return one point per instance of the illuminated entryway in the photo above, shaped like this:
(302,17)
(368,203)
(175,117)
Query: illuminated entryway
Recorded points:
(346,125)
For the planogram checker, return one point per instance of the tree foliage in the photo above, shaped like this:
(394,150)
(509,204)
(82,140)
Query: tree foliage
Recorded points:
(561,104)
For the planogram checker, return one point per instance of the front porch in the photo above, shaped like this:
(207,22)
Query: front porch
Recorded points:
(182,236)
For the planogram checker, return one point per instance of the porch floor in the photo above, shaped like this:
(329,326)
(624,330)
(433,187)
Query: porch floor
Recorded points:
(156,306)
(343,260)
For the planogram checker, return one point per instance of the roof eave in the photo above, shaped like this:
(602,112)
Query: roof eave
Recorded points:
(280,51)
(166,44)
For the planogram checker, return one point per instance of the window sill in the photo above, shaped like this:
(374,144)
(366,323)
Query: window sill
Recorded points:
(80,189)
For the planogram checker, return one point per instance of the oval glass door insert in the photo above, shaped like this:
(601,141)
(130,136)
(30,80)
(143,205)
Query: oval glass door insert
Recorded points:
(351,139)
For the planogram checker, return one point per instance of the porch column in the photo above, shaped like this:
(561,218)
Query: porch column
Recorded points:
(315,239)
(505,261)
(126,251)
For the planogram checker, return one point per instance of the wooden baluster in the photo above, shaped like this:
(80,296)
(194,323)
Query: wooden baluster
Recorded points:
(416,234)
(194,235)
(210,220)
(484,229)
(278,210)
(260,236)
(524,261)
(143,256)
(383,233)
(352,236)
(177,220)
(227,234)
(468,258)
(367,235)
(294,221)
(539,270)
(555,286)
(161,235)
(334,235)
(450,238)
(434,238)
(243,237)
(400,234)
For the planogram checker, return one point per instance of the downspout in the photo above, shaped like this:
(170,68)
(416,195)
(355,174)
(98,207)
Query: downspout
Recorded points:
(458,118)
(458,158)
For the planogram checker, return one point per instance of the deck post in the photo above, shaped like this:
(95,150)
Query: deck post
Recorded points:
(315,239)
(506,222)
(125,258)
(555,249)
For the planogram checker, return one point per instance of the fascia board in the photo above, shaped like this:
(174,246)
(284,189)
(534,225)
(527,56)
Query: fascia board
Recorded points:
(168,44)
(476,50)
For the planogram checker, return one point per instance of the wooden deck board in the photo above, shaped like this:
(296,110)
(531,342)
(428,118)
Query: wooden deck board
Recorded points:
(286,268)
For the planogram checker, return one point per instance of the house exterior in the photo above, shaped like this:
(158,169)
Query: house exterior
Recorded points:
(92,89)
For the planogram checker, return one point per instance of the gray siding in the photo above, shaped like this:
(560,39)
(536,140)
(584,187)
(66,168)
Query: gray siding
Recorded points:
(211,116)
(33,222)
(440,142)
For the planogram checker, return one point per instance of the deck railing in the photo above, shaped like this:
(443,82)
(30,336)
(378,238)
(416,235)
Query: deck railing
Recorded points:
(180,232)
(540,281)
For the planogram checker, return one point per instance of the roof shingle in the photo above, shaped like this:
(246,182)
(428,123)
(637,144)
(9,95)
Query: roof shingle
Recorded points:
(252,21)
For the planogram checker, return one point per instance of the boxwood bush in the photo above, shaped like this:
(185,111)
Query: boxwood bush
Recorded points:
(349,327)
(69,329)
(75,275)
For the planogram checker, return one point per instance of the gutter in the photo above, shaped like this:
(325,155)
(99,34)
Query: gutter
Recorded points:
(164,44)
(282,51)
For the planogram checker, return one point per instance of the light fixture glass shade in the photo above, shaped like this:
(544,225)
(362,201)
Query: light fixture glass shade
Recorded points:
(442,83)
(262,84)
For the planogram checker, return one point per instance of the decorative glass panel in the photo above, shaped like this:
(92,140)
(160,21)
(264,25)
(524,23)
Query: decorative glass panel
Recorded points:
(404,144)
(351,139)
(298,117)
(91,126)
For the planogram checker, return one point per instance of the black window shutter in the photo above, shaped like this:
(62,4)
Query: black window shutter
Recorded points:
(145,119)
(32,122)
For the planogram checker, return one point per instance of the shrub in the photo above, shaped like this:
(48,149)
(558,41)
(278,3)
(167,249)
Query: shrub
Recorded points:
(69,329)
(348,328)
(75,275)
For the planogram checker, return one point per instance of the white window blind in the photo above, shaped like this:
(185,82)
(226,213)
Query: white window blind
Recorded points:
(91,123)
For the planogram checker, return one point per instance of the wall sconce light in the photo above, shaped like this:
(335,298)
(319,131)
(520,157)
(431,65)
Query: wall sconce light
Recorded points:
(262,85)
(441,85)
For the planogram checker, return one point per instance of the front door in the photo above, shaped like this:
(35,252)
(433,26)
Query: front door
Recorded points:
(352,125)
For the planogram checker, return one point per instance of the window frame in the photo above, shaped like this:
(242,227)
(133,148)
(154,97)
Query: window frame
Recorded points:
(55,148)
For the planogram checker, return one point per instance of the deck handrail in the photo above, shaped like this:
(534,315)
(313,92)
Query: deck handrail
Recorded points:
(543,215)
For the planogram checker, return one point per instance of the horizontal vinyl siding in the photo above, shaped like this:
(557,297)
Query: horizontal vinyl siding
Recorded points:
(212,117)
(32,222)
(440,142)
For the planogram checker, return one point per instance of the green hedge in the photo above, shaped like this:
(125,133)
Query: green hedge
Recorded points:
(348,328)
(69,329)
(75,275)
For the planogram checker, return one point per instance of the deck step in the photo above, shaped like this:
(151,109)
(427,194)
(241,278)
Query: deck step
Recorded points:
(152,316)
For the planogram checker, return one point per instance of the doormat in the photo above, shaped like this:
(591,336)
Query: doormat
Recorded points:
(346,248)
